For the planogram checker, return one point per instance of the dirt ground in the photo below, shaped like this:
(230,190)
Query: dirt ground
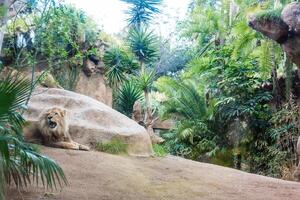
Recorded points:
(100,176)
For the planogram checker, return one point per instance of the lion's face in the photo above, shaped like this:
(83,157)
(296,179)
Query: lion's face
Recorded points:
(54,117)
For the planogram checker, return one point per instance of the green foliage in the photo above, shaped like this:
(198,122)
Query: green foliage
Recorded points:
(159,150)
(267,15)
(145,80)
(72,33)
(141,12)
(63,37)
(227,119)
(143,44)
(21,165)
(205,119)
(186,104)
(184,100)
(118,64)
(283,134)
(3,11)
(127,95)
(114,146)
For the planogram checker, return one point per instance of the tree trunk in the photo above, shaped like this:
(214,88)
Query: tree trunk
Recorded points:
(3,19)
(147,106)
(276,87)
(142,67)
(289,78)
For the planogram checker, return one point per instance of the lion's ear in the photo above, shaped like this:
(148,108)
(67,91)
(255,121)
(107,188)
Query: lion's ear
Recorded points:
(63,113)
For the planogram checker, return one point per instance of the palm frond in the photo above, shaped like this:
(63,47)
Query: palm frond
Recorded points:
(144,44)
(128,94)
(146,79)
(21,165)
(141,12)
(184,100)
(118,63)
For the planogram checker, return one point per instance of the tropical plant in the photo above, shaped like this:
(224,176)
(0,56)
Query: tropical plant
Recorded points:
(127,95)
(184,99)
(143,44)
(68,29)
(118,64)
(20,164)
(141,11)
(194,134)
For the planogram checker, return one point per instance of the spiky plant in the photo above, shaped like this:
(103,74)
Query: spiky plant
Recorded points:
(145,82)
(20,164)
(141,12)
(128,94)
(118,63)
(143,44)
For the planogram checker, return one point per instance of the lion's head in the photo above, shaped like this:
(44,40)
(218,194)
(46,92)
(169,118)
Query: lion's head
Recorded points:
(54,117)
(53,120)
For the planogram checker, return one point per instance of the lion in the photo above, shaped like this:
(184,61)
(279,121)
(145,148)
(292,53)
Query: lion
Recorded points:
(53,130)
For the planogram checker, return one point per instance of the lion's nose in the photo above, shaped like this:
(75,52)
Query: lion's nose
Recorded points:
(50,117)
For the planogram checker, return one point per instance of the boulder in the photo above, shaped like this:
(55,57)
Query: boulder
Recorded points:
(291,16)
(95,87)
(274,29)
(285,30)
(91,121)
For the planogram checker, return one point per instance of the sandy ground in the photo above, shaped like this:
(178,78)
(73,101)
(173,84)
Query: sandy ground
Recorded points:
(100,176)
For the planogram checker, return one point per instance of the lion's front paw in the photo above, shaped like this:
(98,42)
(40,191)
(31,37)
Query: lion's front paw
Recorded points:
(84,148)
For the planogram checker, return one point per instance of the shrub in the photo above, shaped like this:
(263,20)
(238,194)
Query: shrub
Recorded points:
(114,146)
(160,150)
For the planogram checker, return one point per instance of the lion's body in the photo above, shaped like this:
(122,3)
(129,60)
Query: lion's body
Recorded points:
(53,130)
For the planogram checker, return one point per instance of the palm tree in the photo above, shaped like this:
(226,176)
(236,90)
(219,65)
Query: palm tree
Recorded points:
(141,11)
(145,82)
(143,44)
(19,163)
(128,94)
(186,103)
(184,100)
(118,63)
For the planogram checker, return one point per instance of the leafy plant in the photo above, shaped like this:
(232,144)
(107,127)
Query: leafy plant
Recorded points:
(51,24)
(21,165)
(118,64)
(141,12)
(159,150)
(143,44)
(128,94)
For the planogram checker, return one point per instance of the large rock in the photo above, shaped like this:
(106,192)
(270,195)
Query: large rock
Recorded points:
(291,16)
(94,86)
(285,30)
(90,120)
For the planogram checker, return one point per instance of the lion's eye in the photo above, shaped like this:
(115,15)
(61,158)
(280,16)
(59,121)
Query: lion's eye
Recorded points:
(56,113)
